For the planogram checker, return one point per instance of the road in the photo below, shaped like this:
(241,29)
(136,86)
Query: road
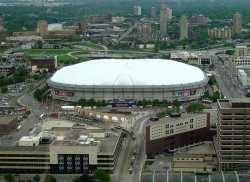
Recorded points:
(27,124)
(228,85)
(121,173)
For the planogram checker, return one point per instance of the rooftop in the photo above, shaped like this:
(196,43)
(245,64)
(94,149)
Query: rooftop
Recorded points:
(202,149)
(234,103)
(129,72)
(51,124)
(6,119)
(106,140)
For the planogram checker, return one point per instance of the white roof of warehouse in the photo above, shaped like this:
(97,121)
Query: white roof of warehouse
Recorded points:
(122,72)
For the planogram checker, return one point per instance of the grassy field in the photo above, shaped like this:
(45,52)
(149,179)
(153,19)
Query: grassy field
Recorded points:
(62,54)
(55,52)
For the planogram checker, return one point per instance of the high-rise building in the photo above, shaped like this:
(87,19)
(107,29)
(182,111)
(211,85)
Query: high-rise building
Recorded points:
(233,134)
(144,31)
(237,23)
(153,12)
(183,28)
(163,20)
(137,10)
(199,20)
(165,17)
(42,27)
(240,51)
(169,13)
(220,33)
(1,24)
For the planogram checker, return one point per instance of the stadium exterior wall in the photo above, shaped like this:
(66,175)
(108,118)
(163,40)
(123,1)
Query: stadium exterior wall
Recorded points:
(182,92)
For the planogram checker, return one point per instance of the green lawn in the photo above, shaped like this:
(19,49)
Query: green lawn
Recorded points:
(60,53)
(55,52)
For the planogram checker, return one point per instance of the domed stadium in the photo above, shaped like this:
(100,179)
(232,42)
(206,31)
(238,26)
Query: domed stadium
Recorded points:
(136,79)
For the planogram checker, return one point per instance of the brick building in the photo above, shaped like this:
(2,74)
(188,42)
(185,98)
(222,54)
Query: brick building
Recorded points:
(169,133)
(47,63)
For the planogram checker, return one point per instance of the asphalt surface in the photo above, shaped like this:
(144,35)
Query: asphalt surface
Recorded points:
(228,85)
(27,124)
(121,173)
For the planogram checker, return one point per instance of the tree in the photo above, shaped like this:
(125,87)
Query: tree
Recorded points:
(4,90)
(102,176)
(84,178)
(212,80)
(9,178)
(216,95)
(50,178)
(206,94)
(248,94)
(156,102)
(230,52)
(176,103)
(36,178)
(195,107)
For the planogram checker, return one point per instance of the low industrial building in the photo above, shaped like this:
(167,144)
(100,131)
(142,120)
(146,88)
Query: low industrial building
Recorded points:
(170,133)
(7,69)
(116,118)
(244,78)
(199,159)
(41,64)
(194,58)
(7,124)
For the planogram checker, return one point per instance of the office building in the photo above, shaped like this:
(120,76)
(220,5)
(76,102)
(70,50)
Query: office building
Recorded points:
(170,133)
(1,24)
(144,31)
(42,27)
(220,33)
(237,23)
(233,136)
(240,64)
(84,153)
(241,51)
(165,17)
(183,28)
(65,147)
(199,20)
(44,64)
(106,18)
(137,10)
(23,159)
(153,12)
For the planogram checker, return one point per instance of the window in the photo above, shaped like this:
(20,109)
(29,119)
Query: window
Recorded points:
(171,131)
(191,126)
